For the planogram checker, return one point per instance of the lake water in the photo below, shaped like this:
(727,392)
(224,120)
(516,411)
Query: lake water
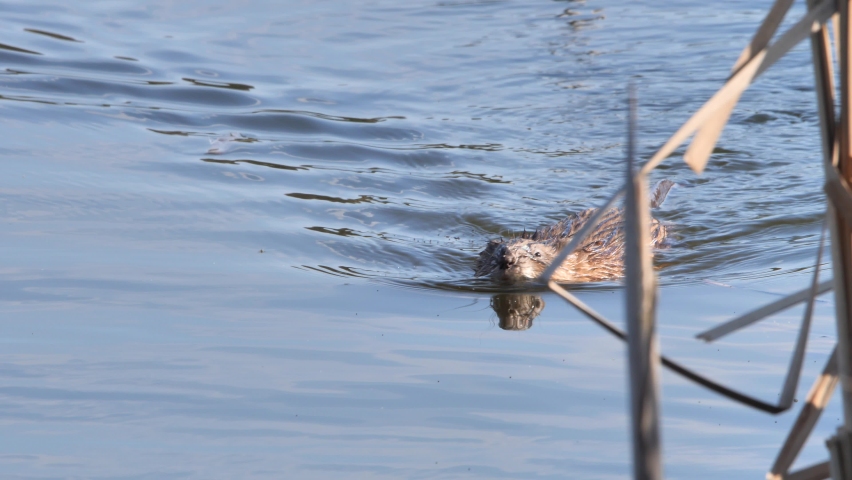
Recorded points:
(238,237)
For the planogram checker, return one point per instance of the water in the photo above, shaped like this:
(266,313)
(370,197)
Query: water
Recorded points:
(238,238)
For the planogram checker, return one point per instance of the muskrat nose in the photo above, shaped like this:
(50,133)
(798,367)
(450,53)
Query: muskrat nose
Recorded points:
(507,261)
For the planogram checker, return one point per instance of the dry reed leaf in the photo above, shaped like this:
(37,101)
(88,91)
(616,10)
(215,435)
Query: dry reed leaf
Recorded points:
(738,82)
(671,365)
(759,314)
(815,403)
(705,139)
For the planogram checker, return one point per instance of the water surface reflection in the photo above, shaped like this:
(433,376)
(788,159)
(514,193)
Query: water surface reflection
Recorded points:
(516,311)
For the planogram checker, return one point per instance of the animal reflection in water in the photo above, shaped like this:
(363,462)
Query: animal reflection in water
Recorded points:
(516,311)
(599,256)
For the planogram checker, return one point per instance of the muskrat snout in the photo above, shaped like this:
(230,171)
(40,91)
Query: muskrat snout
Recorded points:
(508,260)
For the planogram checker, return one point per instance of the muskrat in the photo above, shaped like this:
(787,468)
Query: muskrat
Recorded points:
(599,257)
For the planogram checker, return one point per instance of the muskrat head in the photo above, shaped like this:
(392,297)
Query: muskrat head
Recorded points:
(518,260)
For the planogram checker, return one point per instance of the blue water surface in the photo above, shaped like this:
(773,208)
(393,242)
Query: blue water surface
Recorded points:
(238,237)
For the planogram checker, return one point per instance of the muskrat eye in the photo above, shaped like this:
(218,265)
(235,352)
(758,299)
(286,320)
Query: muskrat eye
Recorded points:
(537,254)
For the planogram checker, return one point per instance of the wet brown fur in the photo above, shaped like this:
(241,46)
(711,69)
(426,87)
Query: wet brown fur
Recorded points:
(600,257)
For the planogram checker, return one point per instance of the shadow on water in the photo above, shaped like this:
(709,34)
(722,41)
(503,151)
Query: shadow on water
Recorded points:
(233,86)
(57,36)
(18,49)
(278,166)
